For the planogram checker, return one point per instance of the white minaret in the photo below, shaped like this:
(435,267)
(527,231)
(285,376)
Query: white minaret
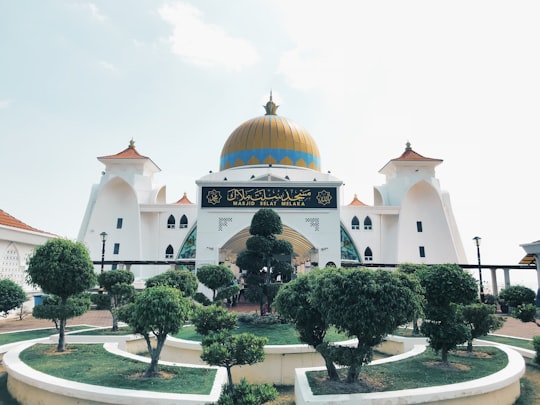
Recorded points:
(425,230)
(115,204)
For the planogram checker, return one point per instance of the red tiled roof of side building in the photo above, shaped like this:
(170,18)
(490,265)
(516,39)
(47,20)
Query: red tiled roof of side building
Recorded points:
(184,200)
(410,154)
(12,222)
(129,153)
(357,202)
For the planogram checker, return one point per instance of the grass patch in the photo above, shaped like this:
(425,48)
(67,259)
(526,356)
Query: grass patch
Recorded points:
(19,336)
(285,397)
(124,330)
(277,334)
(92,364)
(529,385)
(424,370)
(522,343)
(405,332)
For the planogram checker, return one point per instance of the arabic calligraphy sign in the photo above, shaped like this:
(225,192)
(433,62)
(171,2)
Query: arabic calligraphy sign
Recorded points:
(269,197)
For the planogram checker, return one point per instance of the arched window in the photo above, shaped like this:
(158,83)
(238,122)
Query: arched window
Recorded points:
(169,252)
(171,222)
(183,222)
(367,224)
(368,255)
(355,223)
(348,250)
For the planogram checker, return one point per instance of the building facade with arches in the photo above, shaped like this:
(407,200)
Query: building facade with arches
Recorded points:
(269,162)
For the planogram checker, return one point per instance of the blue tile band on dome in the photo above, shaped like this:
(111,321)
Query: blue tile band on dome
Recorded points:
(276,156)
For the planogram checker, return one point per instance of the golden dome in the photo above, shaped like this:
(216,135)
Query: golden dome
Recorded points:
(270,140)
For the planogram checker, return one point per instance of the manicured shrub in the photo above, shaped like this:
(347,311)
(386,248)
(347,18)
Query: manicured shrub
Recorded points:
(515,295)
(202,299)
(490,299)
(248,394)
(536,344)
(526,313)
(256,319)
(101,301)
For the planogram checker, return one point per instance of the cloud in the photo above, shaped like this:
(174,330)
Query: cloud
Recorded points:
(4,104)
(318,56)
(108,66)
(90,8)
(205,44)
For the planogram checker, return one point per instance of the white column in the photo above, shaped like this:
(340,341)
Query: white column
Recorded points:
(495,289)
(506,278)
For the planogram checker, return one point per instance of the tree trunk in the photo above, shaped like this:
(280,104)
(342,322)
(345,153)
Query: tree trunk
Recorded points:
(469,346)
(416,328)
(62,333)
(444,356)
(359,356)
(229,378)
(352,374)
(113,306)
(114,322)
(331,369)
(152,370)
(62,336)
(268,264)
(323,350)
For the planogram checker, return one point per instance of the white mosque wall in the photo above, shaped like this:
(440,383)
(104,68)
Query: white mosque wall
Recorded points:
(16,246)
(89,212)
(400,177)
(389,238)
(215,227)
(114,200)
(320,227)
(422,206)
(454,230)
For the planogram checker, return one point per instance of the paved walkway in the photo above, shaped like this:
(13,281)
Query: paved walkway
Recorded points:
(92,317)
(512,327)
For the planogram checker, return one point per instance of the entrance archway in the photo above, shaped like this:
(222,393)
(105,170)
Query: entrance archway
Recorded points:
(303,249)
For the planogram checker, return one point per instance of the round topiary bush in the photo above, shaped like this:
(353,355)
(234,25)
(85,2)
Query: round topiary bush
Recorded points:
(516,295)
(526,313)
(536,344)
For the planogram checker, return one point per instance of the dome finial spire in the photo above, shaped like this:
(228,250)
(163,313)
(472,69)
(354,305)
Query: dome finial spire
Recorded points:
(408,146)
(270,106)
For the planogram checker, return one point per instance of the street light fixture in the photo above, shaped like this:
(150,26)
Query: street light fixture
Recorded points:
(103,240)
(477,240)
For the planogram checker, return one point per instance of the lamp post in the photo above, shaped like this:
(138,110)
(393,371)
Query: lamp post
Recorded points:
(103,240)
(477,240)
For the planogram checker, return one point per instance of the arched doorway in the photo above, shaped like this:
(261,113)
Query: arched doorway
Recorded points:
(303,249)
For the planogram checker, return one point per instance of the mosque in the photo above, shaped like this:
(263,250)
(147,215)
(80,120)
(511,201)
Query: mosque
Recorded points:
(268,162)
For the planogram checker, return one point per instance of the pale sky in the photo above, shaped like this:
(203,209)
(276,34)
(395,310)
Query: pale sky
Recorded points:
(460,80)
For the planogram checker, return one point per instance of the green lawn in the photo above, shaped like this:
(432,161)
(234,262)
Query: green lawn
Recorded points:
(92,364)
(124,330)
(524,344)
(418,371)
(19,336)
(277,334)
